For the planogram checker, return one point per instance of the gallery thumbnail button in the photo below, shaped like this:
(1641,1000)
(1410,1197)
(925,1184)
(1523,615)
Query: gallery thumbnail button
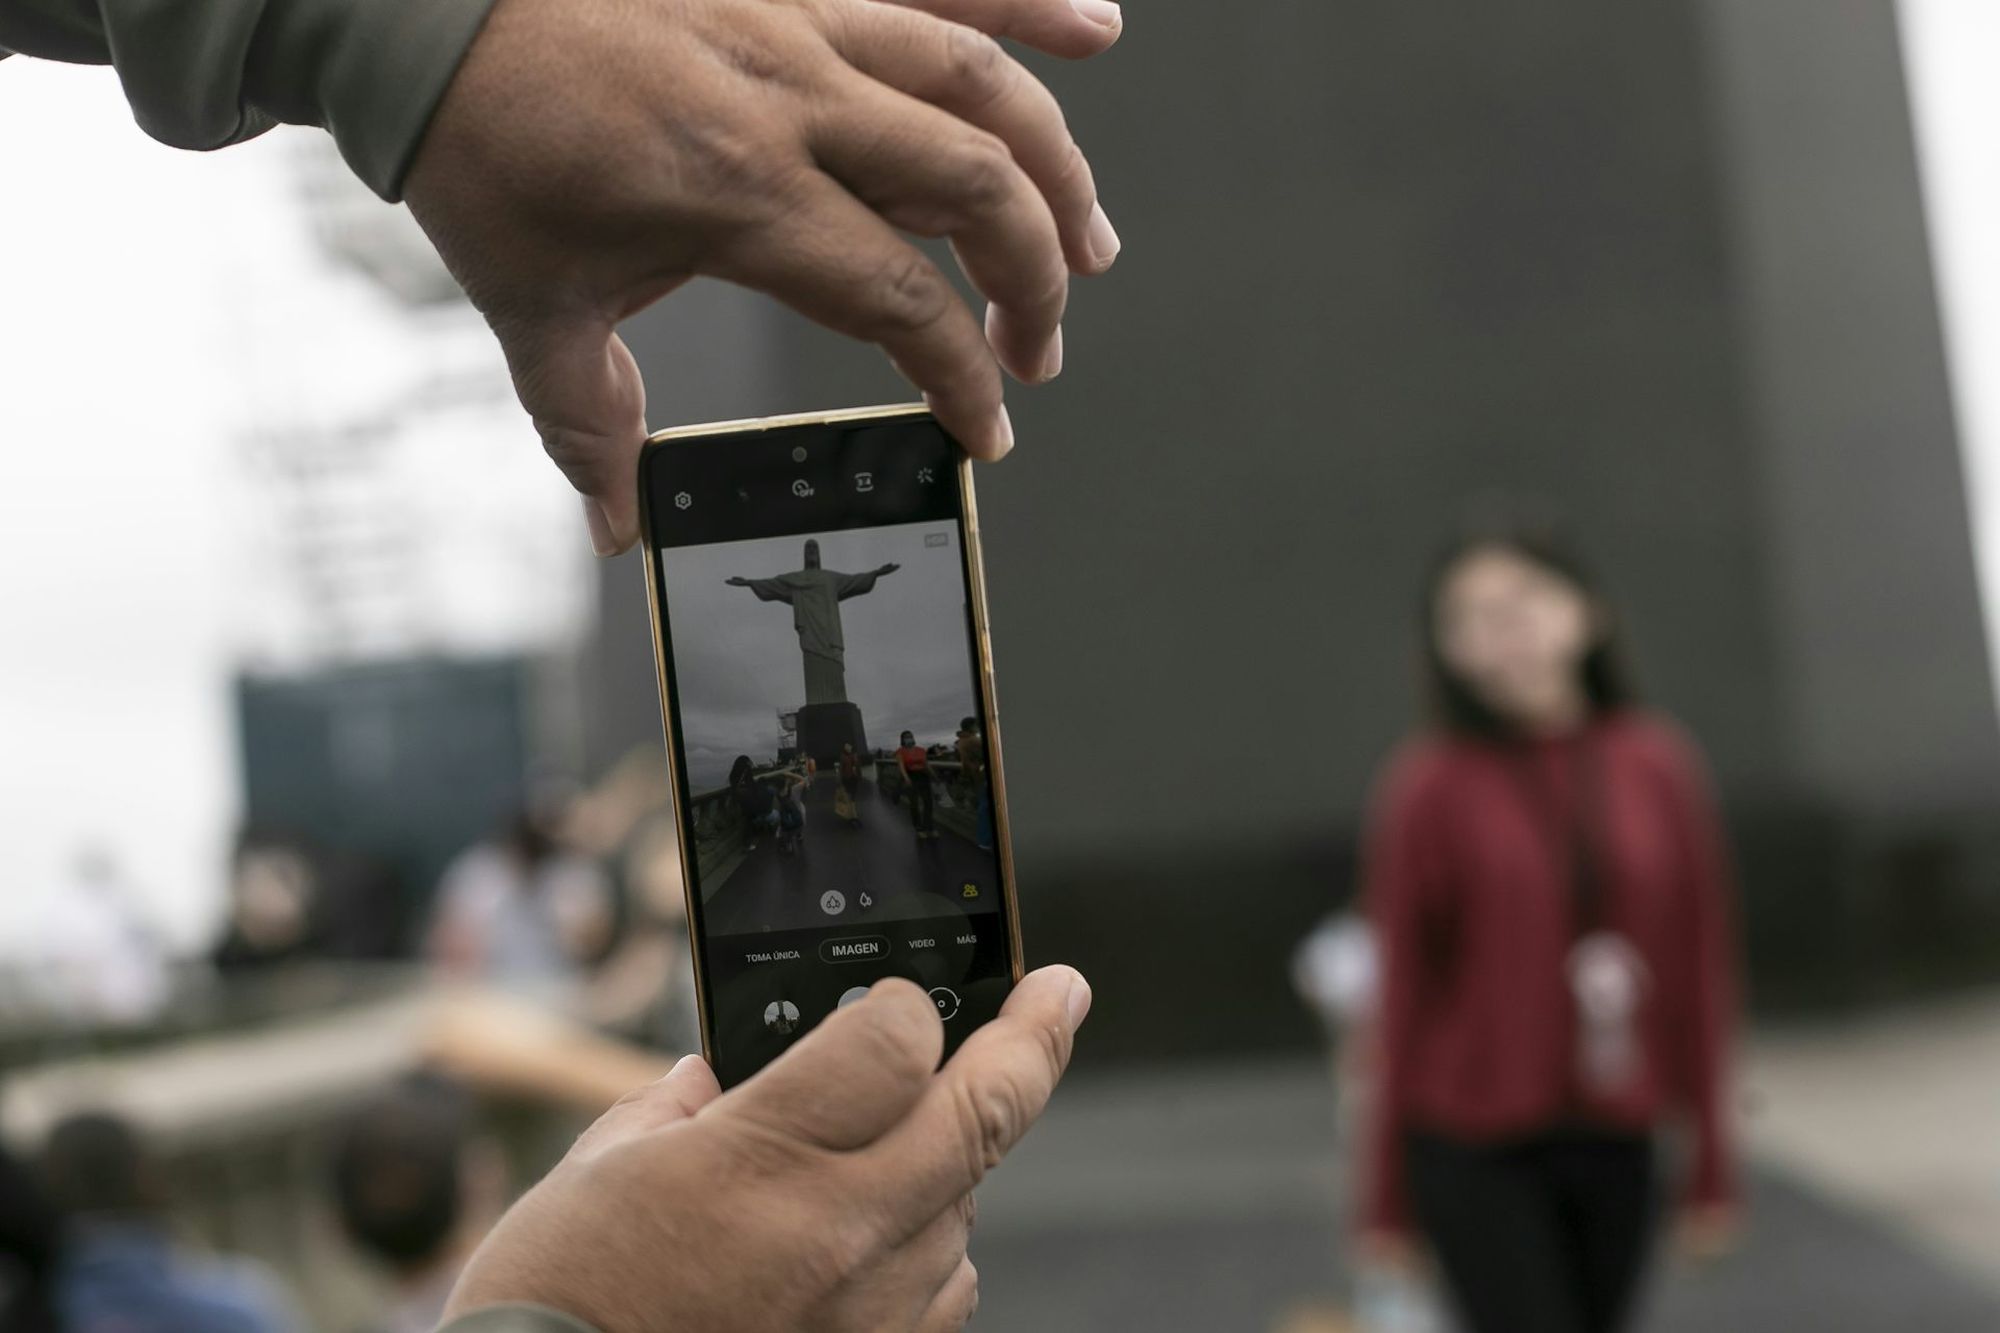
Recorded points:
(853,949)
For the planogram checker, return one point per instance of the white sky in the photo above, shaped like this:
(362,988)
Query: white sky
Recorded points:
(1950,48)
(113,704)
(154,304)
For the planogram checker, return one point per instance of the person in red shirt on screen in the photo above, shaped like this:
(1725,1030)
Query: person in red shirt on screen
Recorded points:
(915,761)
(1551,897)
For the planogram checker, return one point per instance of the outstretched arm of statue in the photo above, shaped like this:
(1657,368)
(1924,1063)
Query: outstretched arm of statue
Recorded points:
(853,585)
(767,590)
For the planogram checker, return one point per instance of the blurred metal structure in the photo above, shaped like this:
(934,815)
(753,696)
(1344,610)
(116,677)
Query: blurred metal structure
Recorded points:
(417,587)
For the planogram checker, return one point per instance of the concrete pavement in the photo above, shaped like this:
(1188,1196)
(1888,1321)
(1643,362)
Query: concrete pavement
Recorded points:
(1206,1200)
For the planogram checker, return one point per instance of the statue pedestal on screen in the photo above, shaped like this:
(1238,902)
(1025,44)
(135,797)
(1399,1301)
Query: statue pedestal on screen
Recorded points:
(824,728)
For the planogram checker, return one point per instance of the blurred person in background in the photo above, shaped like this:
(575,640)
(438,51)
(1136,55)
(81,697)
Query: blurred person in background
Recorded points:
(1548,883)
(754,801)
(914,762)
(1335,971)
(971,747)
(790,793)
(121,1271)
(292,901)
(273,908)
(30,1250)
(644,990)
(101,961)
(845,806)
(521,912)
(417,1185)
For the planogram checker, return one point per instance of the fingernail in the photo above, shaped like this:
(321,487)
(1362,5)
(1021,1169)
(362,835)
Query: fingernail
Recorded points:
(1100,11)
(601,539)
(1104,242)
(1079,1001)
(1052,363)
(1003,431)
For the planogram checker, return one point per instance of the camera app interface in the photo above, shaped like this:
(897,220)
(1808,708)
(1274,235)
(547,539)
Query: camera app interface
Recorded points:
(829,728)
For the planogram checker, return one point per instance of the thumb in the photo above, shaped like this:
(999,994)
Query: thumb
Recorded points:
(854,1077)
(579,382)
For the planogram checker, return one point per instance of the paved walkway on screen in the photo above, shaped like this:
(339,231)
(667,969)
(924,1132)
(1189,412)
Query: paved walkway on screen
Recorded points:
(771,891)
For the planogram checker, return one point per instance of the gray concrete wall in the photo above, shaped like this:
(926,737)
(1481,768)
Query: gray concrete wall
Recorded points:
(1380,259)
(1887,696)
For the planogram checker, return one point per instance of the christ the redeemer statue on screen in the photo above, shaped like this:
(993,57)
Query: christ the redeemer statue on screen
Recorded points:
(815,595)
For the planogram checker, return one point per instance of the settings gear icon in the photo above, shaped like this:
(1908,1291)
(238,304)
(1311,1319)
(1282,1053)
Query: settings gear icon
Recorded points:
(683,500)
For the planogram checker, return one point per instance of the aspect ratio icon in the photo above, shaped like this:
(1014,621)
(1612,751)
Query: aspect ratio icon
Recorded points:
(864,482)
(683,500)
(802,488)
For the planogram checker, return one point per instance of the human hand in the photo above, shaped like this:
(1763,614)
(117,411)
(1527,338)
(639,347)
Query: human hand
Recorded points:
(738,582)
(588,160)
(889,568)
(830,1193)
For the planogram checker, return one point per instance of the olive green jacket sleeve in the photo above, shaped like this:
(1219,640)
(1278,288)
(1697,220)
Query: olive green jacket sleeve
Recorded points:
(207,73)
(516,1319)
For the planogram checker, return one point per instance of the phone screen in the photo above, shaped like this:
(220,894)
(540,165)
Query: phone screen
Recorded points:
(830,720)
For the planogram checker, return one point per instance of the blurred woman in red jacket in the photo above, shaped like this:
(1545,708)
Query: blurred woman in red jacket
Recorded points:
(1550,891)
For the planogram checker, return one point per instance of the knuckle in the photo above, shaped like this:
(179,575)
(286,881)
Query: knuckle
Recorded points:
(990,1116)
(986,170)
(889,1034)
(725,161)
(1052,293)
(841,1246)
(1073,175)
(977,65)
(575,453)
(910,293)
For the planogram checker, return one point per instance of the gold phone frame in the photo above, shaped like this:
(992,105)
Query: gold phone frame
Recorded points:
(982,646)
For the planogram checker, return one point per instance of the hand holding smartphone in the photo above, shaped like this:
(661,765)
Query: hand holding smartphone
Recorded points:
(826,682)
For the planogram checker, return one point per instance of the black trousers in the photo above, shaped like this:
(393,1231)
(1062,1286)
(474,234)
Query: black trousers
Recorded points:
(923,803)
(1547,1235)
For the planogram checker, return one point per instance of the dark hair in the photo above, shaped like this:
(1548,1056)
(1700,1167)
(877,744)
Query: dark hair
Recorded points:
(740,771)
(969,724)
(95,1163)
(530,836)
(396,1171)
(1454,705)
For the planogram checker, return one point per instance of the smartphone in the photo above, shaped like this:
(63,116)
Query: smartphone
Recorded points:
(826,679)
